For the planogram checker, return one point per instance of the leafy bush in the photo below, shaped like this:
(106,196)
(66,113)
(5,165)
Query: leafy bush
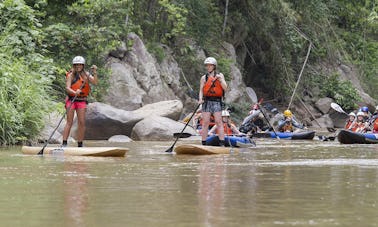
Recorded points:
(24,74)
(23,100)
(342,92)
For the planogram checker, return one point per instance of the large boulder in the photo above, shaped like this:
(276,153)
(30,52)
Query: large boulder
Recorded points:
(51,123)
(325,122)
(237,88)
(104,121)
(339,119)
(324,104)
(138,79)
(156,128)
(170,109)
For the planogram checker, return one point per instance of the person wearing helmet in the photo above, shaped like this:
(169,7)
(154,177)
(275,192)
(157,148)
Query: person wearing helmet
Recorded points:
(360,125)
(212,88)
(254,122)
(288,123)
(229,128)
(78,88)
(366,112)
(351,119)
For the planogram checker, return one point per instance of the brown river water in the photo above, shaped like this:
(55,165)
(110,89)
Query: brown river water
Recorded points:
(278,183)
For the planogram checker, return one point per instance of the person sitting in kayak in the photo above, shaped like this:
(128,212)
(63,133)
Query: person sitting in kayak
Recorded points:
(288,123)
(373,121)
(351,119)
(228,126)
(366,112)
(254,122)
(360,125)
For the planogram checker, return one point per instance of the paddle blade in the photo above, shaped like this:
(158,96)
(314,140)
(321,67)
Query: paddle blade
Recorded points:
(337,107)
(251,94)
(181,135)
(169,150)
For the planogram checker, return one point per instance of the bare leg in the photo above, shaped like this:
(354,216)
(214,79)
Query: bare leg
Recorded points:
(67,127)
(205,125)
(219,124)
(81,124)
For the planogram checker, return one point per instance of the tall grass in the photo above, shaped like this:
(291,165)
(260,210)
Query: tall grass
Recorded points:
(23,100)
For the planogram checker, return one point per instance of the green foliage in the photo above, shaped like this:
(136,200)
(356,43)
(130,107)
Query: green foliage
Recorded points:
(23,100)
(157,50)
(342,92)
(25,74)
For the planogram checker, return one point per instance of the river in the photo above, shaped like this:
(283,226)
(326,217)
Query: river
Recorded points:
(278,183)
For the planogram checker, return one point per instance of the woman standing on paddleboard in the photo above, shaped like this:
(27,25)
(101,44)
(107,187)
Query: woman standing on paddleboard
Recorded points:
(78,88)
(212,88)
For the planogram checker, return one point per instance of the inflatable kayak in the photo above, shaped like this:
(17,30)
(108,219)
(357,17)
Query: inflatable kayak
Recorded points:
(349,137)
(194,149)
(235,141)
(287,135)
(77,151)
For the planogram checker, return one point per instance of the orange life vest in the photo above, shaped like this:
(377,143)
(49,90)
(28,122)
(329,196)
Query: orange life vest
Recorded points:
(359,127)
(211,88)
(287,128)
(348,124)
(375,126)
(227,129)
(77,83)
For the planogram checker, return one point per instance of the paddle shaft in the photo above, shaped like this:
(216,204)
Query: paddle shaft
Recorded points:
(171,148)
(61,119)
(194,112)
(262,111)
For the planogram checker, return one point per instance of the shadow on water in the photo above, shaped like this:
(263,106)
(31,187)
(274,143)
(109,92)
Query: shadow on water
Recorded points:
(277,183)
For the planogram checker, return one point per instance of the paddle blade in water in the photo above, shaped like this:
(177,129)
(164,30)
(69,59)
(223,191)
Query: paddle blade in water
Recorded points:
(169,149)
(252,94)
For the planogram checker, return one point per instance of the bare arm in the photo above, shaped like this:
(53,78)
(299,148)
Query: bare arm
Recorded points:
(221,79)
(200,95)
(93,77)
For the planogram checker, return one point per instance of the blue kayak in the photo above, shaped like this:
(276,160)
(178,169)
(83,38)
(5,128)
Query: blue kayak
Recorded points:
(235,141)
(286,135)
(349,137)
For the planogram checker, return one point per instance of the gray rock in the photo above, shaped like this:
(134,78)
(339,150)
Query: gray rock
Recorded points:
(325,122)
(324,104)
(156,128)
(119,139)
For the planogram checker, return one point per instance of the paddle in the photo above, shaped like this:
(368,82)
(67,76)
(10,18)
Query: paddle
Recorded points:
(251,94)
(338,108)
(65,113)
(267,120)
(194,112)
(182,131)
(182,135)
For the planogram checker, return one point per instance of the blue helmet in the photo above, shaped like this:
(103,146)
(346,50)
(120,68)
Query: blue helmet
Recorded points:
(365,109)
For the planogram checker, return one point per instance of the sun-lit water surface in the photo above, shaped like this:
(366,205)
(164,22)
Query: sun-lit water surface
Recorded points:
(278,183)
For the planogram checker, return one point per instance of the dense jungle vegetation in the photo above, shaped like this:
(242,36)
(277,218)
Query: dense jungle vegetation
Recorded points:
(38,39)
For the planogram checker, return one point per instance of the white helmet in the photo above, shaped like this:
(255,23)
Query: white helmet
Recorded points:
(360,114)
(78,60)
(225,113)
(352,114)
(211,61)
(376,108)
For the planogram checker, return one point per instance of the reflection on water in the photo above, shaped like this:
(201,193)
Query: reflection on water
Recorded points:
(286,183)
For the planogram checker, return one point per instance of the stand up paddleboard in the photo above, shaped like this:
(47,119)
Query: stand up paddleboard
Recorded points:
(77,151)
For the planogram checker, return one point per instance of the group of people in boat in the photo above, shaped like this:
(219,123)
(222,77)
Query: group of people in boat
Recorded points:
(363,121)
